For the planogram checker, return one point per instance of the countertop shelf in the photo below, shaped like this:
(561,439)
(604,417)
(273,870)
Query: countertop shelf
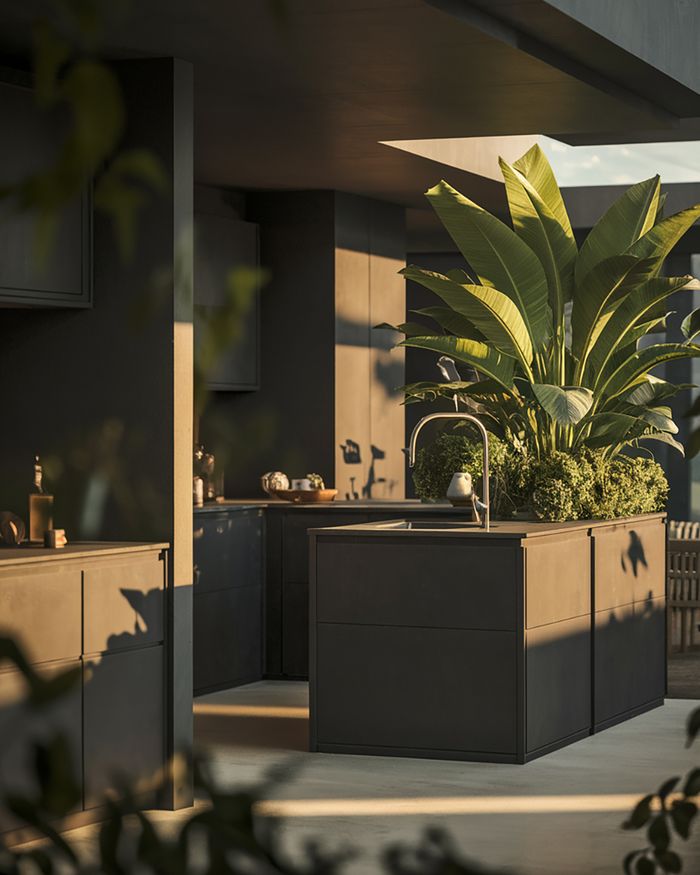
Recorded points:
(362,506)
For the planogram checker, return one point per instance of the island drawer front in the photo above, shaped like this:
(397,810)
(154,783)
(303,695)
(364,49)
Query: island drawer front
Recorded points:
(397,688)
(558,580)
(124,604)
(42,611)
(558,672)
(421,583)
(630,563)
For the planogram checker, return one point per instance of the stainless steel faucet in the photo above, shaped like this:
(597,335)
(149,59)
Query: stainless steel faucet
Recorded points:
(484,506)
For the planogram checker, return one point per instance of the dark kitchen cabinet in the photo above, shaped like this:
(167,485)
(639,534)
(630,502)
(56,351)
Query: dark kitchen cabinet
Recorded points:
(228,595)
(64,277)
(223,243)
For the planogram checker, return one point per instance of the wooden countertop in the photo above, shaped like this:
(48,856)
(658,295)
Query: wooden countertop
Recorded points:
(361,505)
(28,553)
(512,529)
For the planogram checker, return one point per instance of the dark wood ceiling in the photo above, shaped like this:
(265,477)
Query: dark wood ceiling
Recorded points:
(304,101)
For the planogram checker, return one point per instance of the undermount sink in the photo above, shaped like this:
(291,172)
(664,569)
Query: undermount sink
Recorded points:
(425,525)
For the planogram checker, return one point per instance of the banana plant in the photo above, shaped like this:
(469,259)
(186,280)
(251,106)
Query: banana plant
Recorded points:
(561,338)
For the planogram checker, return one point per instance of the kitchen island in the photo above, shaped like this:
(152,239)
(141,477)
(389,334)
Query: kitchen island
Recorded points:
(436,639)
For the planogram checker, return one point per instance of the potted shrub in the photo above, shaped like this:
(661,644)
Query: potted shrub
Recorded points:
(559,338)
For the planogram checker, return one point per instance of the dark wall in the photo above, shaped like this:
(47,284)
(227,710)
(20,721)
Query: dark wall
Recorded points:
(288,424)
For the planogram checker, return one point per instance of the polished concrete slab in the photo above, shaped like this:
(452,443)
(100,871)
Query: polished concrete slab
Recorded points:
(560,814)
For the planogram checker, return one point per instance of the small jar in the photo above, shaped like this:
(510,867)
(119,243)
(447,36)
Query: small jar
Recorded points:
(198,491)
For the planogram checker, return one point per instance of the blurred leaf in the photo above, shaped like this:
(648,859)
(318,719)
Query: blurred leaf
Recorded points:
(54,768)
(692,448)
(667,787)
(46,690)
(690,326)
(658,833)
(692,783)
(640,814)
(51,52)
(669,861)
(693,726)
(682,814)
(645,866)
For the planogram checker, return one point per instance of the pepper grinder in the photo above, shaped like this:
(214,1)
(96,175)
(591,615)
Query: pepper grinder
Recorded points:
(40,506)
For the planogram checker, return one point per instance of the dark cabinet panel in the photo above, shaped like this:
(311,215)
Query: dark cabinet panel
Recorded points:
(124,604)
(558,672)
(295,540)
(221,244)
(460,586)
(397,688)
(228,552)
(295,630)
(227,638)
(64,279)
(228,549)
(21,727)
(123,720)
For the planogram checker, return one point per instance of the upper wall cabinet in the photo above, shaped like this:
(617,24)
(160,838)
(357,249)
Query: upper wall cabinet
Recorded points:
(221,244)
(30,141)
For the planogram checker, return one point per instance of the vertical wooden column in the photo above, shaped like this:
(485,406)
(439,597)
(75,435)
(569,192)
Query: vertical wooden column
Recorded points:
(369,418)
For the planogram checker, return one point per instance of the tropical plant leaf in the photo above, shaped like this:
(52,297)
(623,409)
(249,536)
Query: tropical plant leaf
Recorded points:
(492,312)
(537,225)
(664,438)
(593,297)
(654,389)
(623,320)
(480,356)
(452,322)
(567,405)
(535,167)
(639,363)
(632,215)
(659,240)
(690,326)
(499,257)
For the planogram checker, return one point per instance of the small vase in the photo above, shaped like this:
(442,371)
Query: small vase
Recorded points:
(460,489)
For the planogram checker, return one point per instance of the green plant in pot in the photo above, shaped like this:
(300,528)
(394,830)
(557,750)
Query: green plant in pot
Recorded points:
(561,338)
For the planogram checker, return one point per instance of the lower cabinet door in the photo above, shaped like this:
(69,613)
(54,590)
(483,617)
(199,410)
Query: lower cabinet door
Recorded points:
(227,638)
(614,656)
(123,721)
(650,626)
(21,728)
(295,630)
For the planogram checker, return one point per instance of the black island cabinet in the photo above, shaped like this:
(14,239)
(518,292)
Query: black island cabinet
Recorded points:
(498,647)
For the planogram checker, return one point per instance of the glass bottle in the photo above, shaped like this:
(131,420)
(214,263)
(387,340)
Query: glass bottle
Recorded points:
(40,506)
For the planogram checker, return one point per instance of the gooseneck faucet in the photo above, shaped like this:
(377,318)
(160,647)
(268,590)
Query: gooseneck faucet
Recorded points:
(486,519)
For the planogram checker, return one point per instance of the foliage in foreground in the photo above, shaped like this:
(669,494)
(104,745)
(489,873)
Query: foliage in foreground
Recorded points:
(559,486)
(561,338)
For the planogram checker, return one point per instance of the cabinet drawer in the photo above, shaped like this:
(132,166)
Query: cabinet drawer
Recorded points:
(22,727)
(227,637)
(124,604)
(406,582)
(43,611)
(630,563)
(398,688)
(295,544)
(227,550)
(558,580)
(124,731)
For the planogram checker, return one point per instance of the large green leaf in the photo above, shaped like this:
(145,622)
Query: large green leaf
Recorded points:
(640,362)
(653,390)
(537,225)
(567,405)
(690,326)
(499,257)
(664,438)
(535,167)
(656,244)
(594,296)
(453,322)
(623,320)
(492,312)
(480,356)
(632,215)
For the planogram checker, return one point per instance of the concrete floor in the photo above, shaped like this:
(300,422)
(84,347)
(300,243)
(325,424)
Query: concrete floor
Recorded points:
(560,814)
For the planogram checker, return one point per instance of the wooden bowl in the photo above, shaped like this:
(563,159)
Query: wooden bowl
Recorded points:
(306,496)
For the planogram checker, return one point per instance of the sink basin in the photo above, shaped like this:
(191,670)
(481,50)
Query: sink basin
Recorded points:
(426,525)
